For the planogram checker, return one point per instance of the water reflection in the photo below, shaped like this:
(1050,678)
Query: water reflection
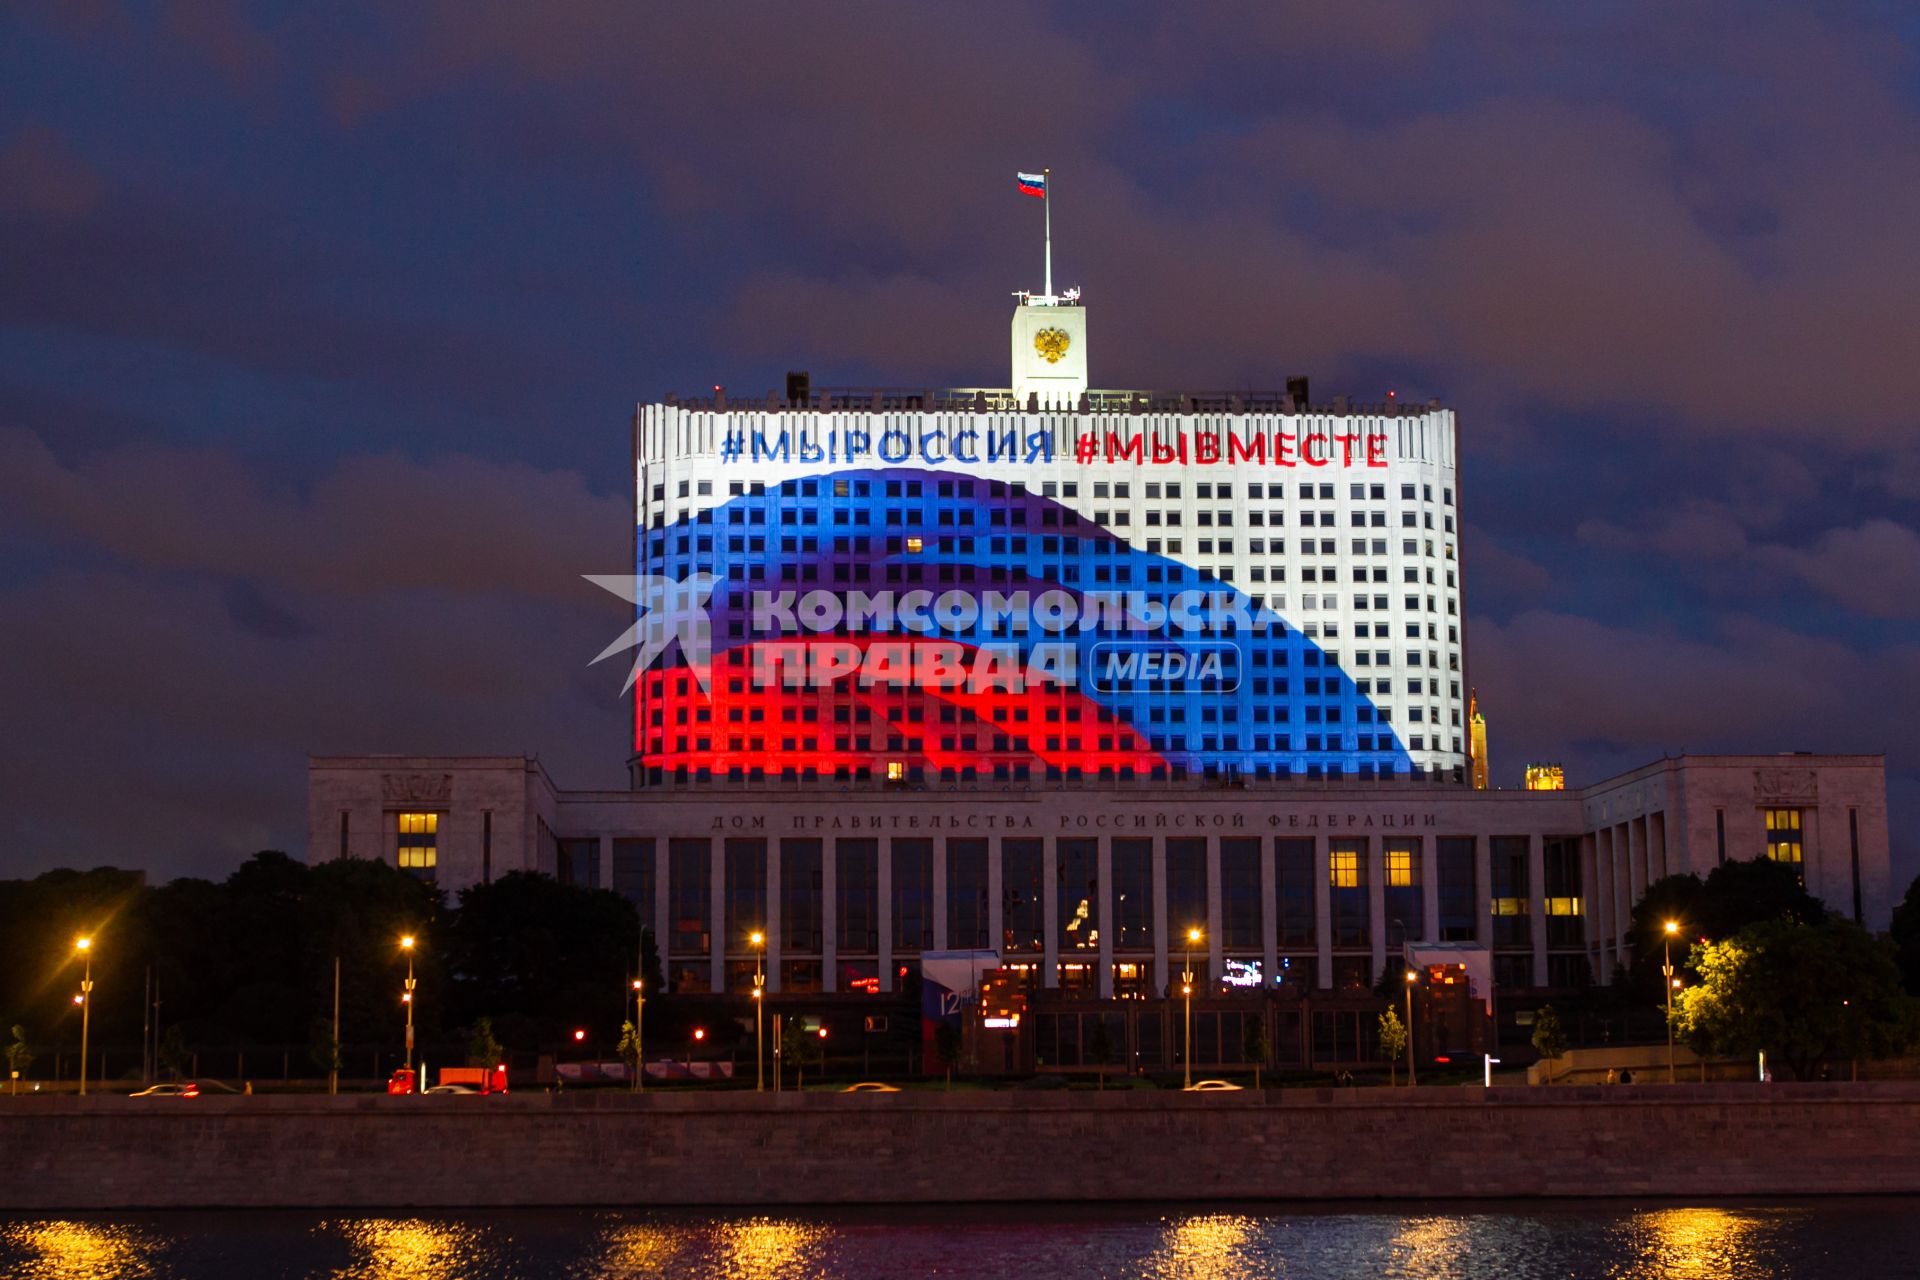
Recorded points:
(1208,1247)
(770,1249)
(410,1248)
(67,1250)
(1702,1243)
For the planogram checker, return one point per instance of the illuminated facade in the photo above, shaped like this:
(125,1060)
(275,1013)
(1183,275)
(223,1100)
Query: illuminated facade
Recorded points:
(1128,585)
(1545,777)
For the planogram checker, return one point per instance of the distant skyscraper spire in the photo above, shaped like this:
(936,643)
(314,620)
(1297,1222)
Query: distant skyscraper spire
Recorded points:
(1477,743)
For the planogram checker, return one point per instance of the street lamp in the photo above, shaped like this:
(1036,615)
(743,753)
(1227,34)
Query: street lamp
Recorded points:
(1413,1077)
(639,1045)
(699,1034)
(406,998)
(1186,989)
(1666,971)
(759,942)
(84,946)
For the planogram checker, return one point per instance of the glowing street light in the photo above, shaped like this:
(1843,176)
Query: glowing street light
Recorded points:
(1413,1078)
(406,945)
(639,1045)
(1666,971)
(84,945)
(1186,990)
(759,942)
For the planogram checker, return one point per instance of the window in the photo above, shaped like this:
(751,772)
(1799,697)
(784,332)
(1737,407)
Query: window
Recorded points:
(1293,874)
(1510,892)
(1022,909)
(1347,884)
(689,899)
(800,906)
(1076,874)
(1133,894)
(1186,888)
(1783,837)
(633,876)
(1563,905)
(856,876)
(1240,894)
(1406,895)
(746,905)
(967,894)
(913,894)
(1458,889)
(419,847)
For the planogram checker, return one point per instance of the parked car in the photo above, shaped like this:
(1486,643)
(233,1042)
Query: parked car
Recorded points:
(180,1089)
(453,1088)
(1212,1086)
(871,1086)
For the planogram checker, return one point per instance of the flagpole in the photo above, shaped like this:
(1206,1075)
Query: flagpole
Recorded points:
(1046,202)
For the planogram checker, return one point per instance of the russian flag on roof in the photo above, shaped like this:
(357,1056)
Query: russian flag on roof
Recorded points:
(1033,184)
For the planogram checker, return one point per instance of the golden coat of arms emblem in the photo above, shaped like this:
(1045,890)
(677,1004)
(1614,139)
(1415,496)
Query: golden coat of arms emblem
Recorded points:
(1051,344)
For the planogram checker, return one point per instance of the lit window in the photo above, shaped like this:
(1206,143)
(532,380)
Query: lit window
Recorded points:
(1563,906)
(1399,868)
(419,839)
(1345,869)
(896,770)
(1509,906)
(1783,835)
(913,544)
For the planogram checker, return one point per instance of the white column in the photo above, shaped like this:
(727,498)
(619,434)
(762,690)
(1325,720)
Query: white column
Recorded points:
(1269,916)
(996,899)
(1537,904)
(884,874)
(1323,909)
(1050,913)
(1103,914)
(1483,890)
(1373,855)
(829,916)
(662,901)
(773,926)
(717,913)
(940,894)
(1160,916)
(1623,894)
(1216,963)
(1430,888)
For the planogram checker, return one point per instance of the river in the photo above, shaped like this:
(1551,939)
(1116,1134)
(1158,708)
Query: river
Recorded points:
(1851,1239)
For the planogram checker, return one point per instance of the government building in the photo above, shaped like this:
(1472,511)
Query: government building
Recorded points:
(1072,693)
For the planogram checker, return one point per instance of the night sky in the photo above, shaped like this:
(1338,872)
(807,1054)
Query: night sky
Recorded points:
(321,327)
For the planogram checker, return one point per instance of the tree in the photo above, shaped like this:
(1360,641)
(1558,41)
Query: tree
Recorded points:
(946,1044)
(1803,993)
(1549,1037)
(1906,937)
(322,1049)
(482,1049)
(19,1056)
(173,1053)
(1253,1043)
(630,1051)
(540,957)
(1393,1042)
(1734,895)
(1100,1046)
(802,1048)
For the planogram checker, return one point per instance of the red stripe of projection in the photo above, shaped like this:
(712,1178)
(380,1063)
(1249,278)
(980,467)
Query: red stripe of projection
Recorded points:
(1026,190)
(671,707)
